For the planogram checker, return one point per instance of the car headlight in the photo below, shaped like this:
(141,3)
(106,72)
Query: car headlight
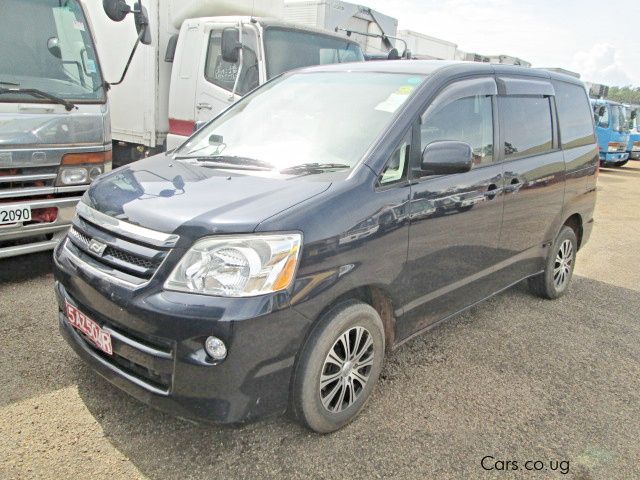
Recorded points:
(238,266)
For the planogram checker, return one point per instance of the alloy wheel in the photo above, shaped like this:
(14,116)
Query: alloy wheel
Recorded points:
(346,369)
(563,265)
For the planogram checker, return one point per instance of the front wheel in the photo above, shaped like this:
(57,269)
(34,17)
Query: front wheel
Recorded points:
(621,164)
(554,281)
(339,367)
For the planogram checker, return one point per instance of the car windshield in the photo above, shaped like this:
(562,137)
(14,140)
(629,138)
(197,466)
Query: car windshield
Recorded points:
(290,49)
(619,119)
(321,118)
(46,45)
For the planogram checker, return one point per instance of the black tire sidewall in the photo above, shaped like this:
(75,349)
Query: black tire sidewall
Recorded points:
(306,395)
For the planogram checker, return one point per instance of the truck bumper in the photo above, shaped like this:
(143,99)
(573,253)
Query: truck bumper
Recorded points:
(613,157)
(634,155)
(21,239)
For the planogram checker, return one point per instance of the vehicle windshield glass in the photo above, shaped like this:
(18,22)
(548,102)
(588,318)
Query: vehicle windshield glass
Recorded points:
(324,118)
(46,45)
(619,119)
(290,49)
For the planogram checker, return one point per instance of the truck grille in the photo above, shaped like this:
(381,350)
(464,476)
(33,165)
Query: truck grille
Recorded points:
(28,181)
(104,243)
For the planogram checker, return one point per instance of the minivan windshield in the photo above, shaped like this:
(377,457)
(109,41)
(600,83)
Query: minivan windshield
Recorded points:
(46,46)
(317,118)
(287,50)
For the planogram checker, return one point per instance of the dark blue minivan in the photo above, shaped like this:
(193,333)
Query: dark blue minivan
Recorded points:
(269,263)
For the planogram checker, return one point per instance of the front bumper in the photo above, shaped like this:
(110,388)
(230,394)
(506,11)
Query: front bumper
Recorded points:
(158,355)
(20,239)
(634,155)
(613,157)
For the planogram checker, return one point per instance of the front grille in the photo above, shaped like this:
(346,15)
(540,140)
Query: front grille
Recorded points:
(32,181)
(130,258)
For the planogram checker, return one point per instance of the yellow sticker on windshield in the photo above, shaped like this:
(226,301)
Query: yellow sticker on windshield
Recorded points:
(405,90)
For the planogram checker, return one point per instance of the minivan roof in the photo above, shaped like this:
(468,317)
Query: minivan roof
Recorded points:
(429,67)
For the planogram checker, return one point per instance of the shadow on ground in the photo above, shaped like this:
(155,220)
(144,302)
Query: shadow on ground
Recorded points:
(25,267)
(516,377)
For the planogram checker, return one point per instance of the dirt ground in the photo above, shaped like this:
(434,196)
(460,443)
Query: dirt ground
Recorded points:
(516,378)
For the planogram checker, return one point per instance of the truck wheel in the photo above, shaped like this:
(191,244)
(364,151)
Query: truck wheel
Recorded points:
(554,281)
(338,367)
(621,164)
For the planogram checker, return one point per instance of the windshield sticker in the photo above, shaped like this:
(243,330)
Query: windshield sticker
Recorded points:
(78,25)
(91,66)
(395,100)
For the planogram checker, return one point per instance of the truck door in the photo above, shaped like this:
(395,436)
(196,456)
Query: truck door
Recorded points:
(216,78)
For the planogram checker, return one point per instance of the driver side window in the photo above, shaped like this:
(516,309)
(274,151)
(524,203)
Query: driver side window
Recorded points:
(223,74)
(468,120)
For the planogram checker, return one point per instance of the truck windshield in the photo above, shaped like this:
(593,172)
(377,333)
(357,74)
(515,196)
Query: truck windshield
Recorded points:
(290,49)
(46,45)
(619,119)
(320,120)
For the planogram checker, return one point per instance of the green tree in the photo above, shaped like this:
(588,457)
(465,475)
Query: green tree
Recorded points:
(625,94)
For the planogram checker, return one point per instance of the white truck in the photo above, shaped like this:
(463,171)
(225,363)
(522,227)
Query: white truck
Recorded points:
(195,68)
(336,15)
(425,47)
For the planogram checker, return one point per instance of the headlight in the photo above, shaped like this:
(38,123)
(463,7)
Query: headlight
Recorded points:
(79,175)
(73,176)
(614,146)
(238,266)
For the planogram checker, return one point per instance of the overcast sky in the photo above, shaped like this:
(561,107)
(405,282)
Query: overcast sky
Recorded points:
(598,39)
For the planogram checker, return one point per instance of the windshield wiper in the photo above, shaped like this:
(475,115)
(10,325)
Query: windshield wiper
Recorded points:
(34,92)
(311,168)
(230,161)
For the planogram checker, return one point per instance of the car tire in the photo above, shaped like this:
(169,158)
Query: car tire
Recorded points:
(349,377)
(554,281)
(621,164)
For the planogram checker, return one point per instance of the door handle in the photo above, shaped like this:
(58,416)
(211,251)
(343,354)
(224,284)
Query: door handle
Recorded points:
(204,106)
(493,191)
(513,186)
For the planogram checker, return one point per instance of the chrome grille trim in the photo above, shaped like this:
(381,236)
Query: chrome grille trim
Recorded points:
(125,229)
(27,178)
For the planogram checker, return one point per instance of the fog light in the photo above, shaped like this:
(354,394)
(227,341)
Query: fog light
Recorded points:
(94,173)
(215,348)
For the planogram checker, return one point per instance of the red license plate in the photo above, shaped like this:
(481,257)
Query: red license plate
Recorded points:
(91,329)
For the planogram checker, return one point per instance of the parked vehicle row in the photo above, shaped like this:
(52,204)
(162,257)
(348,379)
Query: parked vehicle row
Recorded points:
(267,266)
(612,128)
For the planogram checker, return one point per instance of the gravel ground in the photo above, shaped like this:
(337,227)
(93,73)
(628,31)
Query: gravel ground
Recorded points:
(517,378)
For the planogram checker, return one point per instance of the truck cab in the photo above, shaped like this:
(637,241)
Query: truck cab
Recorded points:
(633,148)
(54,121)
(205,81)
(612,128)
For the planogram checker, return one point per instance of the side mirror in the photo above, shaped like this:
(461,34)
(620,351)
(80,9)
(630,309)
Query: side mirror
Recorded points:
(602,111)
(116,10)
(53,44)
(393,54)
(230,45)
(141,18)
(446,158)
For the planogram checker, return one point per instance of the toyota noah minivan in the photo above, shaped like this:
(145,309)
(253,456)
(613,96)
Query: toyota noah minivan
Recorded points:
(272,261)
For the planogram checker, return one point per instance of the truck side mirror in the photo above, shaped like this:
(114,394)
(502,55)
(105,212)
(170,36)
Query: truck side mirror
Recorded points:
(446,158)
(53,45)
(602,111)
(141,18)
(230,45)
(116,10)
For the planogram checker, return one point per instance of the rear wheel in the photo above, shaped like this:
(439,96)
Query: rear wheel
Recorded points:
(622,163)
(555,279)
(339,367)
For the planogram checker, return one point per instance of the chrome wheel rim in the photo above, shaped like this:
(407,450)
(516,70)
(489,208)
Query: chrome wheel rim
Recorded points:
(346,369)
(563,265)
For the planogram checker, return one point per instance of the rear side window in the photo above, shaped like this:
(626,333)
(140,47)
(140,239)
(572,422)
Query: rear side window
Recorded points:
(526,126)
(574,115)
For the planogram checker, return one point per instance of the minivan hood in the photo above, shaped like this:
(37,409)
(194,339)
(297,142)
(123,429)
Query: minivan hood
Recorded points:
(165,194)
